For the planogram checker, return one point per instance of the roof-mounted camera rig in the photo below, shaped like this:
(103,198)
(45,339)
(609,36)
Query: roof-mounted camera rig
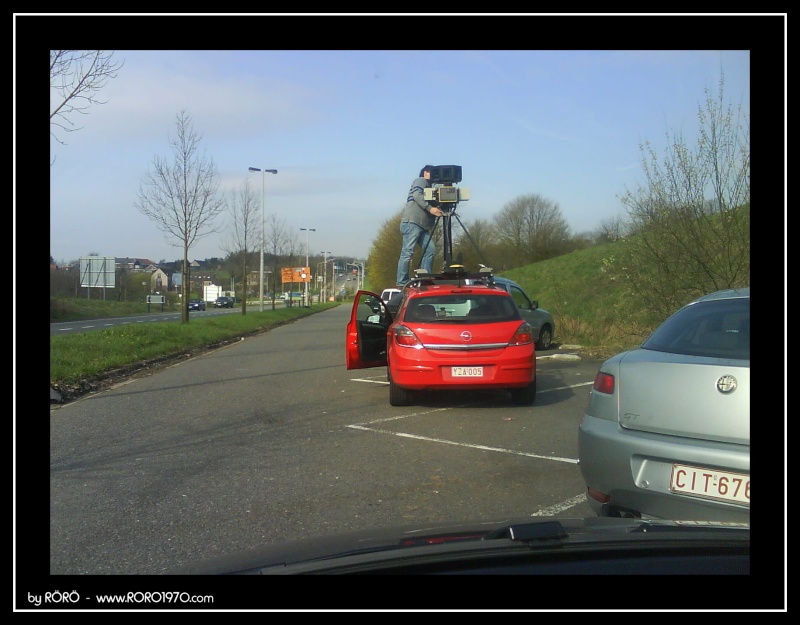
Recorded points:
(445,196)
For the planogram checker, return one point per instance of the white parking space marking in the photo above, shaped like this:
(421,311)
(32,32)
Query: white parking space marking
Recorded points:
(561,507)
(469,446)
(368,427)
(551,511)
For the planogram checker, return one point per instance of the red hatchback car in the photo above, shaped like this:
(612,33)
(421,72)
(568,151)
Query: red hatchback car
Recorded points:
(445,336)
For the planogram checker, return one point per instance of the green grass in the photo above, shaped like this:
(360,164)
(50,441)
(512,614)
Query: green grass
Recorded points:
(585,302)
(89,355)
(78,308)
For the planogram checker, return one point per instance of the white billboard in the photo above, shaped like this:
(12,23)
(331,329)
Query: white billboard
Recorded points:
(211,292)
(98,271)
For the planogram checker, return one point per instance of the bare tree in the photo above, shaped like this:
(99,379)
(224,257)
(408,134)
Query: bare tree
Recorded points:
(245,233)
(532,229)
(76,76)
(182,197)
(611,229)
(278,242)
(690,219)
(474,243)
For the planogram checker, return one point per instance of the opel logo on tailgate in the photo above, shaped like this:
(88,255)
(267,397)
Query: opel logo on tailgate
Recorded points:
(726,384)
(466,336)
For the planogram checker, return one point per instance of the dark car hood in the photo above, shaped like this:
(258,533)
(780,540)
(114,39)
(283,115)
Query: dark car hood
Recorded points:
(511,546)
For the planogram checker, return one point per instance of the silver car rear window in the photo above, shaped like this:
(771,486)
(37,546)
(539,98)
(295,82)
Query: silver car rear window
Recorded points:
(713,329)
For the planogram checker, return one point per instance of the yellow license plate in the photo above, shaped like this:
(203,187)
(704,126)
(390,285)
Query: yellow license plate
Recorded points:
(710,483)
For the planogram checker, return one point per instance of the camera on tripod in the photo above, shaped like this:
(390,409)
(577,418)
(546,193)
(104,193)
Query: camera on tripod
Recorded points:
(443,177)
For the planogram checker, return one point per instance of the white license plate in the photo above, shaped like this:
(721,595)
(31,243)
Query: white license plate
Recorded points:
(710,483)
(466,372)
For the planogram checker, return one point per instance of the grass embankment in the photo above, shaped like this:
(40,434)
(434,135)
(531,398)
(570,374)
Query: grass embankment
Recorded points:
(587,305)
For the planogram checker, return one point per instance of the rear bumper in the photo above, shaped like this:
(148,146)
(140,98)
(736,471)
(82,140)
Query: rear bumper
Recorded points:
(634,469)
(511,372)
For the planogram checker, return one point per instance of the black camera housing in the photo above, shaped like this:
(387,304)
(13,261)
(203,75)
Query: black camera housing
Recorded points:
(446,174)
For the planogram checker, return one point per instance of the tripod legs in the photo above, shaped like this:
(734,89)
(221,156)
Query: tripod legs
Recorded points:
(447,236)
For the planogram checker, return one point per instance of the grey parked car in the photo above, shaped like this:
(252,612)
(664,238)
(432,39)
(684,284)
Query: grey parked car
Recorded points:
(666,432)
(542,322)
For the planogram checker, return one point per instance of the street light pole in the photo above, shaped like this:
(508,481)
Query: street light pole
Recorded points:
(261,272)
(307,230)
(325,273)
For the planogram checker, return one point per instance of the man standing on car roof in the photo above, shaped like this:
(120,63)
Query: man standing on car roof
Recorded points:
(416,225)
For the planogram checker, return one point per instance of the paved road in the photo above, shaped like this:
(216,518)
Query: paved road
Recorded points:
(272,438)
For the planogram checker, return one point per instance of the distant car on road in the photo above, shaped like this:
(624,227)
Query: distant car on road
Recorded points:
(223,302)
(387,294)
(197,304)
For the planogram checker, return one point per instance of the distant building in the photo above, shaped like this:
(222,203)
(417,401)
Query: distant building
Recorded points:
(135,265)
(159,281)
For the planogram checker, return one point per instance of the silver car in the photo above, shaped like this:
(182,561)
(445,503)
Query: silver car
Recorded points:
(542,322)
(666,433)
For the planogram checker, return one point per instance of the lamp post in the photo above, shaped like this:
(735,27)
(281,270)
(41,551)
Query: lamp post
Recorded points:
(325,273)
(261,272)
(359,276)
(307,230)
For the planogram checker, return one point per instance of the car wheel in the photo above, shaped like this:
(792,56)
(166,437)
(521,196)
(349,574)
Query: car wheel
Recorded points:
(399,396)
(524,396)
(545,338)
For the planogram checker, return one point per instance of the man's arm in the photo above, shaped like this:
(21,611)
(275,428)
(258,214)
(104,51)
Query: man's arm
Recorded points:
(417,194)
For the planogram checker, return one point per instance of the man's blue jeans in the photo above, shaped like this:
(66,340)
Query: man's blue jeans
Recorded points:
(414,235)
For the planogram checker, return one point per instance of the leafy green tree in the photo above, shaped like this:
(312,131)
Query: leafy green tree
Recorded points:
(383,255)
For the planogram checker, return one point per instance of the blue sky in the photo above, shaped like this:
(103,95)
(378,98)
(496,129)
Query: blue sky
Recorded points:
(348,130)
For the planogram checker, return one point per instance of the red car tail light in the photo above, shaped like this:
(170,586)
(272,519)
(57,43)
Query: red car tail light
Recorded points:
(603,383)
(523,335)
(404,337)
